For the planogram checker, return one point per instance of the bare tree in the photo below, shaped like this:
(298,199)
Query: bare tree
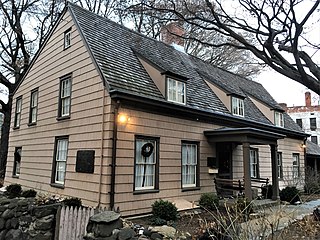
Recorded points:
(149,20)
(24,26)
(281,31)
(17,46)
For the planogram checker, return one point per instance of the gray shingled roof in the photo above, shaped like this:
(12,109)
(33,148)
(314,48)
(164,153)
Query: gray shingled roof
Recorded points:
(312,148)
(116,50)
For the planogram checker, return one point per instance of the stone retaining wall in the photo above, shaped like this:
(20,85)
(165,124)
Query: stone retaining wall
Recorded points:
(20,219)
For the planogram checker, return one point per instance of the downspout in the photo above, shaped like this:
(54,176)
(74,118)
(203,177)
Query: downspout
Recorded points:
(101,146)
(114,155)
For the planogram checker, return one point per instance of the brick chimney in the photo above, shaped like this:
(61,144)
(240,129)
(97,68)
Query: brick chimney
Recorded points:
(308,99)
(284,106)
(171,32)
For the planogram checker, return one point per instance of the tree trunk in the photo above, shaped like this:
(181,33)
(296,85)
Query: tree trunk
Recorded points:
(5,137)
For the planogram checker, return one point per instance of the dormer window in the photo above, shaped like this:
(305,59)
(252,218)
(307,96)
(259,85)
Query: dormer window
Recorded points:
(67,38)
(237,107)
(278,119)
(176,91)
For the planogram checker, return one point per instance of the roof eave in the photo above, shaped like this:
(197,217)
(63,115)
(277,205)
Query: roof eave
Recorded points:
(198,114)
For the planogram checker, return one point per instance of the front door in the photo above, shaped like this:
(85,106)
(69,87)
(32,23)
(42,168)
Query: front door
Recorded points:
(224,159)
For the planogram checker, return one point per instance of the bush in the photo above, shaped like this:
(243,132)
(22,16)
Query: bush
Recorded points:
(267,191)
(158,221)
(29,193)
(209,201)
(164,210)
(13,190)
(289,194)
(72,202)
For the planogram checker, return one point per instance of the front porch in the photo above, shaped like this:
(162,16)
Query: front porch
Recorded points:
(227,139)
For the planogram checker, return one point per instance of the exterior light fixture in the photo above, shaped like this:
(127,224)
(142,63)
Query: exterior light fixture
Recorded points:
(303,145)
(123,118)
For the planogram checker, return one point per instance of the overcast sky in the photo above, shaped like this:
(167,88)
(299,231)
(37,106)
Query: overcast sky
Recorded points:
(285,90)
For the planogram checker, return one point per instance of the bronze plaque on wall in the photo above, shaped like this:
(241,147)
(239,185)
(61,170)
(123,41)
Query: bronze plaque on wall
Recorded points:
(85,161)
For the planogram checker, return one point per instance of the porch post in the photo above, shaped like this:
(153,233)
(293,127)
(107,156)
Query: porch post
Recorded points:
(315,167)
(246,169)
(274,166)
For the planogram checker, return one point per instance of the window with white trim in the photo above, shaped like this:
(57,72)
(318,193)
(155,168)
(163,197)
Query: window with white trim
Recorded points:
(176,91)
(17,116)
(65,96)
(67,38)
(33,106)
(254,163)
(237,107)
(60,161)
(278,119)
(295,165)
(146,163)
(189,164)
(279,163)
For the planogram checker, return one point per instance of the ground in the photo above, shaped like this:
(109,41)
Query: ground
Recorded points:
(196,223)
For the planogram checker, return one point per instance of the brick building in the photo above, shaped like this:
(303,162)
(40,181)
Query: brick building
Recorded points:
(307,117)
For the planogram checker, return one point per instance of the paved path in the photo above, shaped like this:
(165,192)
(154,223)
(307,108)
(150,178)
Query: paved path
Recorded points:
(276,218)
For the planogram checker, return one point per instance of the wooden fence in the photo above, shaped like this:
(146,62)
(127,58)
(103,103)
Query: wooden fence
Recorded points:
(71,222)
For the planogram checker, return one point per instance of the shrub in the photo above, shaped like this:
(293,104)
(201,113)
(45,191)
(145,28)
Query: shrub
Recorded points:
(158,221)
(14,190)
(164,210)
(209,201)
(72,202)
(289,194)
(29,193)
(267,191)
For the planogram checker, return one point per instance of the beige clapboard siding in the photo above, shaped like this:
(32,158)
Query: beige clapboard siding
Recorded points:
(287,146)
(171,132)
(83,127)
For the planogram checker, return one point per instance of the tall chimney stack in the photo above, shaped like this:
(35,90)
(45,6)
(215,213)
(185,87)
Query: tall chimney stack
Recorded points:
(308,99)
(173,33)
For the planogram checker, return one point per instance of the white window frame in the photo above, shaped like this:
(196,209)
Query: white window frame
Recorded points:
(254,163)
(67,38)
(189,156)
(278,119)
(65,96)
(176,91)
(295,165)
(61,156)
(280,165)
(33,106)
(237,106)
(17,117)
(145,167)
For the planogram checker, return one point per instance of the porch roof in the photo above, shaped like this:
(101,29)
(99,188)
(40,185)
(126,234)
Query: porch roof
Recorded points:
(243,135)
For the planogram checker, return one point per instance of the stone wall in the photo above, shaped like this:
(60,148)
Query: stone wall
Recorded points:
(21,219)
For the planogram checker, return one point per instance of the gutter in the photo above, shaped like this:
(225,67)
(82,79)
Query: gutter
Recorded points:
(114,155)
(199,115)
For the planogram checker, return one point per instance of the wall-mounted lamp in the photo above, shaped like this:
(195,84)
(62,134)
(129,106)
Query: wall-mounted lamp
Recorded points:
(123,118)
(303,145)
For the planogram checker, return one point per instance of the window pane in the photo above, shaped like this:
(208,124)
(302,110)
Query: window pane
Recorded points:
(61,158)
(237,106)
(189,164)
(299,122)
(313,124)
(254,163)
(145,166)
(176,91)
(295,165)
